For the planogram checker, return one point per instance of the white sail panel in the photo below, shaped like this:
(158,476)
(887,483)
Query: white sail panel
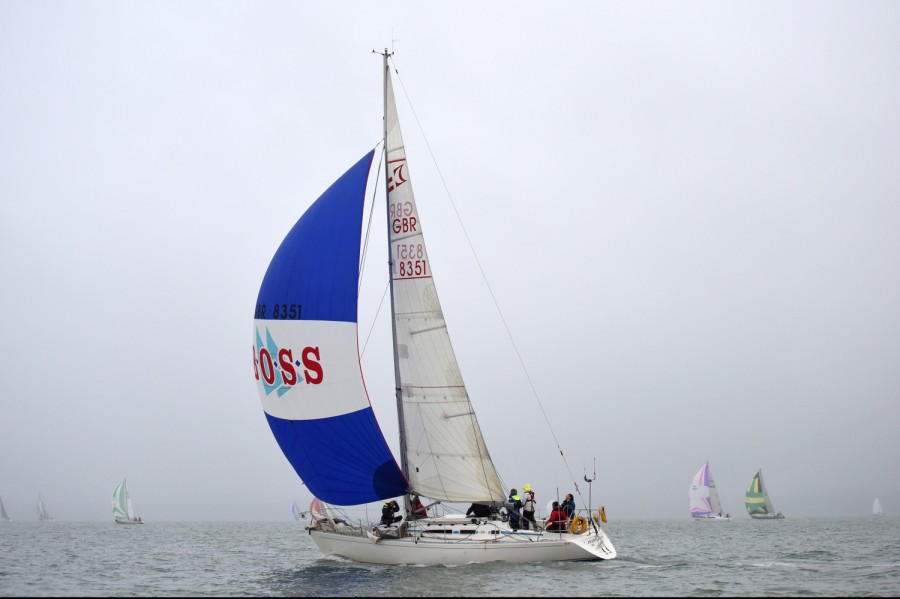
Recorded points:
(324,363)
(445,452)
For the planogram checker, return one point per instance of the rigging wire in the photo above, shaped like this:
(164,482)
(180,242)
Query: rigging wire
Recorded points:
(486,282)
(365,248)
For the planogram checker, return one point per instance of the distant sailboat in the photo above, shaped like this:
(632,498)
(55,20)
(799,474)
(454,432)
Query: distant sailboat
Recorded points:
(876,507)
(43,514)
(757,501)
(295,511)
(705,504)
(123,511)
(4,517)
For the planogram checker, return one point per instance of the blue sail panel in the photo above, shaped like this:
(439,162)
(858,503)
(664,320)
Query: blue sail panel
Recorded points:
(314,273)
(359,469)
(306,357)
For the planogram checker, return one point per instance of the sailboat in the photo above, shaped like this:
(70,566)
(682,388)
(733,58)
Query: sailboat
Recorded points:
(757,501)
(309,378)
(4,517)
(295,511)
(123,511)
(877,510)
(43,514)
(705,504)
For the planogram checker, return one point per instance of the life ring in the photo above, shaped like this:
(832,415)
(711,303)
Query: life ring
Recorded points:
(578,525)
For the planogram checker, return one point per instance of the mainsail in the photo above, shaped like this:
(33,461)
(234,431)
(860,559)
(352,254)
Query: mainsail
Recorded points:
(3,515)
(876,507)
(443,451)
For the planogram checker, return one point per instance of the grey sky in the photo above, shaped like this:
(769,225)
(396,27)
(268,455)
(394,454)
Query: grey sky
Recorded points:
(689,214)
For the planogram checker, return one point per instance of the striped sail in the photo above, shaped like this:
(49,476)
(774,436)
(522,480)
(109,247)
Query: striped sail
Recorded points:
(306,357)
(703,494)
(756,499)
(445,454)
(121,503)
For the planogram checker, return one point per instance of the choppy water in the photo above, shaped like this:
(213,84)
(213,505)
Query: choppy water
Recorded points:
(830,557)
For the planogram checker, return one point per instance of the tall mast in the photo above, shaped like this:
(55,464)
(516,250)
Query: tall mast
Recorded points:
(404,465)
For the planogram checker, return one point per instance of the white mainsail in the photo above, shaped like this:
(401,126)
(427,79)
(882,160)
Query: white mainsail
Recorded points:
(876,507)
(3,515)
(442,448)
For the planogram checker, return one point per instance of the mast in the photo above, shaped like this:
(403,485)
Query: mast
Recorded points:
(404,464)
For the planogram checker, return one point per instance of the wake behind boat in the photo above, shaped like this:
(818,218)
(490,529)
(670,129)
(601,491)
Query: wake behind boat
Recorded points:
(308,372)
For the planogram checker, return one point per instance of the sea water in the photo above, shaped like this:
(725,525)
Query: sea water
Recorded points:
(795,556)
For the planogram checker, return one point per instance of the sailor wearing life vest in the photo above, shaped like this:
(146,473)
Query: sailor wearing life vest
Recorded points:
(514,509)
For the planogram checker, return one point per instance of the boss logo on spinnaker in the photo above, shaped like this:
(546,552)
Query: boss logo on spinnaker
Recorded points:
(280,368)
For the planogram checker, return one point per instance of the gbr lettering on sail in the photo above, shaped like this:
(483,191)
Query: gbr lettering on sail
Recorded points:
(410,258)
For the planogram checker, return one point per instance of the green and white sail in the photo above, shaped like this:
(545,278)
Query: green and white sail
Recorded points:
(123,511)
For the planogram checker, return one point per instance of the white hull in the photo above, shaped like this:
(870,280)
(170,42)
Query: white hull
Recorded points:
(768,517)
(712,518)
(133,521)
(487,545)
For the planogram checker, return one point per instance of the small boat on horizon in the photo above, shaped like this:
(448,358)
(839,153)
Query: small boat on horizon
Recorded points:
(43,514)
(123,512)
(757,501)
(705,503)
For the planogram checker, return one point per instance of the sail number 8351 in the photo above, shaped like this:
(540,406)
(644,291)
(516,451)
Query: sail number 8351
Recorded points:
(411,260)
